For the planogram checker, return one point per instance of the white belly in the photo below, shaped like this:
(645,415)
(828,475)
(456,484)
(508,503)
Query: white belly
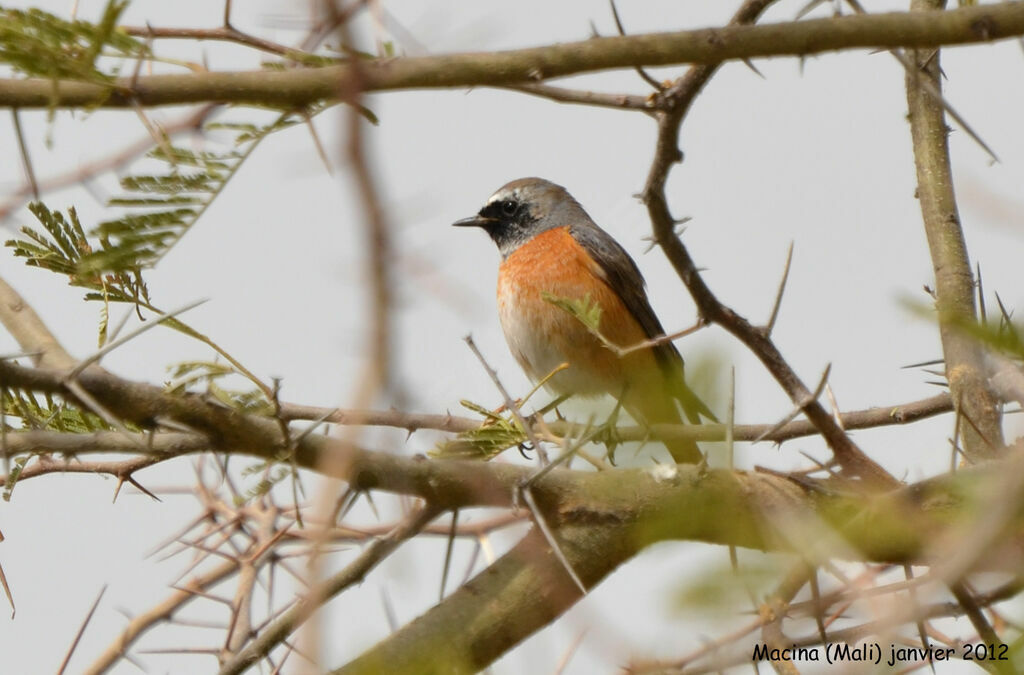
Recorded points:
(538,346)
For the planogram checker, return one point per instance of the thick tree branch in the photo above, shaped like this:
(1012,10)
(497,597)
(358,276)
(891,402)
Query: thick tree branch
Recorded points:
(894,527)
(299,87)
(528,587)
(601,518)
(954,284)
(525,589)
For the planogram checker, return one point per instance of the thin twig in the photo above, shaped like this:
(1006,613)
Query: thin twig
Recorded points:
(800,406)
(770,326)
(658,86)
(279,630)
(510,404)
(81,631)
(452,533)
(110,346)
(225,33)
(860,419)
(160,612)
(26,159)
(583,97)
(542,524)
(933,90)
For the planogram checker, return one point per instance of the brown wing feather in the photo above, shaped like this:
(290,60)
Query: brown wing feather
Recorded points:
(624,277)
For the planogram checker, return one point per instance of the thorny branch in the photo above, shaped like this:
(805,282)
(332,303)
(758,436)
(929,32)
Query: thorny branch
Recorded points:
(528,587)
(286,624)
(901,413)
(676,102)
(954,283)
(304,86)
(166,445)
(195,588)
(458,483)
(226,33)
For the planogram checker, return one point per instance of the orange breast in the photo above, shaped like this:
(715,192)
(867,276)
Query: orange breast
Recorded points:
(542,336)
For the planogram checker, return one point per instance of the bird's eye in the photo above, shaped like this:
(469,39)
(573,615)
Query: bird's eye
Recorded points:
(509,207)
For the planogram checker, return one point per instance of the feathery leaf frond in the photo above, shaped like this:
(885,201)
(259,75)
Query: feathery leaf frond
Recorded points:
(40,44)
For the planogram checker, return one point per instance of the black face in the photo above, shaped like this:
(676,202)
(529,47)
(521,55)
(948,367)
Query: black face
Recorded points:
(506,210)
(508,222)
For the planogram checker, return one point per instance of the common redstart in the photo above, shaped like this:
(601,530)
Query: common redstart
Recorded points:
(550,249)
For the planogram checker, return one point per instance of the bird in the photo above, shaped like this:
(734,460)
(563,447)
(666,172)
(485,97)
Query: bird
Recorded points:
(553,251)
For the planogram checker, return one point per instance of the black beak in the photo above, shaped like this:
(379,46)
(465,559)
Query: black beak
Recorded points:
(474,221)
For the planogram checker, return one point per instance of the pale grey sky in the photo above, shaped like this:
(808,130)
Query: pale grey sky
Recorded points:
(816,153)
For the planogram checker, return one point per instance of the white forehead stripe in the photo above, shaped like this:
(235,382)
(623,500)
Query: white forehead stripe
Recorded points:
(502,195)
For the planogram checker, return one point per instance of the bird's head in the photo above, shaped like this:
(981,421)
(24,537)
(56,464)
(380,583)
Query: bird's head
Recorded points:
(522,209)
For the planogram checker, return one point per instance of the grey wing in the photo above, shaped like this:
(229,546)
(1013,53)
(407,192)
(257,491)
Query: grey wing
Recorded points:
(625,278)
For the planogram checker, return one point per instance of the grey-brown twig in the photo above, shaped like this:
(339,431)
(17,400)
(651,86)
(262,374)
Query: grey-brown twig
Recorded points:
(679,98)
(354,572)
(902,413)
(226,33)
(303,86)
(954,284)
(162,611)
